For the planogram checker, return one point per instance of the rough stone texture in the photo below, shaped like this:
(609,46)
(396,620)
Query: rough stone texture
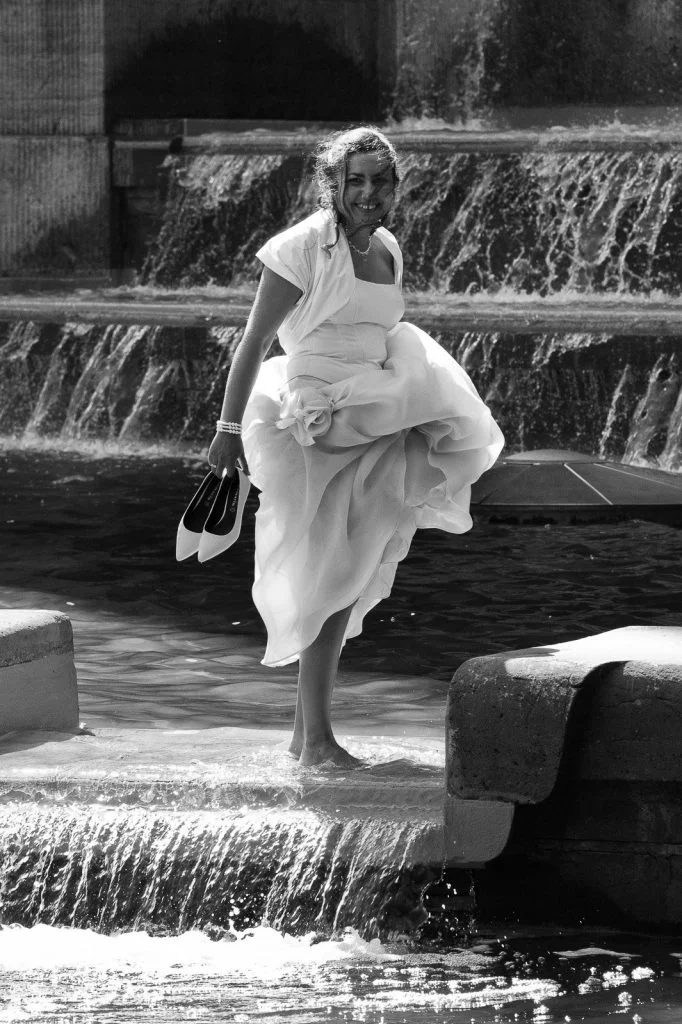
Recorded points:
(476,831)
(508,715)
(586,736)
(54,205)
(51,67)
(458,57)
(38,687)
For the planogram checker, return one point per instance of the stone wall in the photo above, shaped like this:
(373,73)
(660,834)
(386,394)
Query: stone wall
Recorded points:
(54,206)
(618,52)
(458,58)
(70,69)
(54,156)
(51,67)
(348,25)
(244,58)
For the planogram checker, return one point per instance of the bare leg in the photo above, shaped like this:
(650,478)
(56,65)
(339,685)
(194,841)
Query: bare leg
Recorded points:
(296,745)
(313,740)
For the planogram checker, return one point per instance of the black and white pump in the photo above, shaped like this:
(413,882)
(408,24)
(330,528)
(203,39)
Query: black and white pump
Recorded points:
(224,522)
(222,502)
(195,515)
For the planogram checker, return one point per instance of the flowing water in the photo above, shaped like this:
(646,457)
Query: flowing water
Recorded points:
(544,221)
(146,911)
(619,397)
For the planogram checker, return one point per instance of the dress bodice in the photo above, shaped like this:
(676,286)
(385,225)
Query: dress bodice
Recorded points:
(354,338)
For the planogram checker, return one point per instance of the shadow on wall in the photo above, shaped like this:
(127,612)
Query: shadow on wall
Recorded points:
(242,68)
(591,51)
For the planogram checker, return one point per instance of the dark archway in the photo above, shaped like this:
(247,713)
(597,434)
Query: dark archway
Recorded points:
(242,68)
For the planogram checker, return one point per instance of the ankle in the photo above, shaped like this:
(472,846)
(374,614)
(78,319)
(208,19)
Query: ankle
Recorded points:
(318,737)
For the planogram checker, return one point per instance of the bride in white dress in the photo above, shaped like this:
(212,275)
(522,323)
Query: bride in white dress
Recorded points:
(365,430)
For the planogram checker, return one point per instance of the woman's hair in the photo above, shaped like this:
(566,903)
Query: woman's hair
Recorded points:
(331,159)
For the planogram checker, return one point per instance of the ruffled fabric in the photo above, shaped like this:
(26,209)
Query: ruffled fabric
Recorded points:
(348,471)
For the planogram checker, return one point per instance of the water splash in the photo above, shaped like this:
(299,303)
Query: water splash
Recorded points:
(259,974)
(160,388)
(542,222)
(170,872)
(619,398)
(219,210)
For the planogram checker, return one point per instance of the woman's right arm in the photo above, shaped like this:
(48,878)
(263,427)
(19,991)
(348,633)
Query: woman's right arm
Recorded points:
(274,299)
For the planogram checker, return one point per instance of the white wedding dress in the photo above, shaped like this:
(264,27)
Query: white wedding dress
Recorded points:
(364,431)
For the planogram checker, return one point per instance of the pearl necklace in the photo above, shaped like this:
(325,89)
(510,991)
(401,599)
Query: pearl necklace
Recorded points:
(360,252)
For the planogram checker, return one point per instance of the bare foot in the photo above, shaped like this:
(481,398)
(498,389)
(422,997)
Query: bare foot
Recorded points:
(295,747)
(328,751)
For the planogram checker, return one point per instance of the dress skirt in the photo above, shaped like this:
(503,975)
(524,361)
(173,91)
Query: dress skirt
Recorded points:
(348,471)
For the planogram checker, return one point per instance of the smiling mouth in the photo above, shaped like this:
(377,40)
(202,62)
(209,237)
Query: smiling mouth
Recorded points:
(367,206)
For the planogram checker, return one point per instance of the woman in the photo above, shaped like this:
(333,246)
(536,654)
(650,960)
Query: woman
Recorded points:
(363,431)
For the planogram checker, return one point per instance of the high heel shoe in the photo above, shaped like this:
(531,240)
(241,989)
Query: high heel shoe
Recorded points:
(195,516)
(224,522)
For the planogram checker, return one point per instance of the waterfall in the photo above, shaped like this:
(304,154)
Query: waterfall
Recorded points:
(535,223)
(545,222)
(170,871)
(219,210)
(542,222)
(614,396)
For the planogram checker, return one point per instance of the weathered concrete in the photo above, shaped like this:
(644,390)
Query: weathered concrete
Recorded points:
(476,831)
(225,768)
(54,205)
(38,687)
(51,67)
(586,736)
(229,767)
(508,714)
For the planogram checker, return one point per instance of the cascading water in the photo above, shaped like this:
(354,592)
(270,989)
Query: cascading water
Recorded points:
(544,222)
(170,871)
(616,396)
(86,882)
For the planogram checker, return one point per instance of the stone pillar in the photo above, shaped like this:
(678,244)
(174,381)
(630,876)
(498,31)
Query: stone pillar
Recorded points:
(38,687)
(54,154)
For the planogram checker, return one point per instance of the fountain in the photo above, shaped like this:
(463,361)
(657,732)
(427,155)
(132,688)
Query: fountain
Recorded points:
(542,252)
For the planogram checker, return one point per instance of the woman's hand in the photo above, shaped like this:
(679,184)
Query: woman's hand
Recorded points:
(224,453)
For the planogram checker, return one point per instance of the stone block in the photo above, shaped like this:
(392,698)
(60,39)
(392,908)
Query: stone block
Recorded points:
(476,831)
(54,206)
(514,717)
(38,687)
(51,67)
(584,738)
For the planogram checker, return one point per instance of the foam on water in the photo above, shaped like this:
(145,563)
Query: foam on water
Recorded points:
(258,974)
(248,976)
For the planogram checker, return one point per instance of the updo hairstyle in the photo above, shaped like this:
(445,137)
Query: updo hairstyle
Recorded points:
(331,160)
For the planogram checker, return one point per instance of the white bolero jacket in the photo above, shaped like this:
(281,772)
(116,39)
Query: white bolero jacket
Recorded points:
(310,257)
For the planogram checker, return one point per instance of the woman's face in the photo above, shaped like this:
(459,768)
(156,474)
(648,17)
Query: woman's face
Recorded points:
(368,191)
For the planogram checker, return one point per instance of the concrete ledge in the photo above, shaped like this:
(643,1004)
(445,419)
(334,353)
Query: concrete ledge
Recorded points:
(38,687)
(230,768)
(508,715)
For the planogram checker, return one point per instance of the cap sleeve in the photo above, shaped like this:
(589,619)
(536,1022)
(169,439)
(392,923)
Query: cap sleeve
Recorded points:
(287,257)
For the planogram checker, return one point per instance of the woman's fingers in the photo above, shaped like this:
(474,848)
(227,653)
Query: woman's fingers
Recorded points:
(241,459)
(225,451)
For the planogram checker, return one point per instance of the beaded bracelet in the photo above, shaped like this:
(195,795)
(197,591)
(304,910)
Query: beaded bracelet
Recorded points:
(226,427)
